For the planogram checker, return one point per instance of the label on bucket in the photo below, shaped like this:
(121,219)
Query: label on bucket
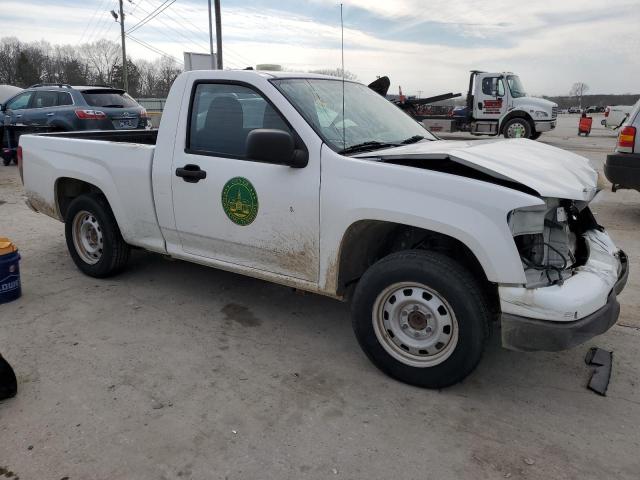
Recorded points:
(9,284)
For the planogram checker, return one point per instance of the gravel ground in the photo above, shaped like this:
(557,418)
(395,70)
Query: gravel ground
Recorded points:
(173,370)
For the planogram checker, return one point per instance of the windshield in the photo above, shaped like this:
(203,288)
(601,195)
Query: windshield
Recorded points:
(369,118)
(516,87)
(109,98)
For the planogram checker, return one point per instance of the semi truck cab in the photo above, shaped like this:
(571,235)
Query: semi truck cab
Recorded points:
(497,103)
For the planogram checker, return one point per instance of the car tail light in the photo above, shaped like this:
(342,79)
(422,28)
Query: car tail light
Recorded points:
(90,114)
(606,111)
(143,113)
(19,156)
(626,139)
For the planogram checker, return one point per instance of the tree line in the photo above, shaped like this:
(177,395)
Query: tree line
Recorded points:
(99,63)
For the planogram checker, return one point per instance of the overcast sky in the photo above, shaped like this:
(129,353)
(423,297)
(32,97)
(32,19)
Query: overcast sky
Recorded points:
(423,45)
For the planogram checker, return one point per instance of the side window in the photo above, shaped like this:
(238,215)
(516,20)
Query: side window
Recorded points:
(222,116)
(491,85)
(20,102)
(44,99)
(64,98)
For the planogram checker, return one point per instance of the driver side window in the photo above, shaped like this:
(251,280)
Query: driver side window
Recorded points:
(20,102)
(493,86)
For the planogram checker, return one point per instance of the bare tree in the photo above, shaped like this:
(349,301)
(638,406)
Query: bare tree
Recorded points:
(578,90)
(102,56)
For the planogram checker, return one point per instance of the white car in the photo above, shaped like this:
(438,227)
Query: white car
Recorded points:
(432,241)
(615,115)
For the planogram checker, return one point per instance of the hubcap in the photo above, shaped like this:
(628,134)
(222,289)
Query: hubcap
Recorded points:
(87,237)
(516,130)
(415,324)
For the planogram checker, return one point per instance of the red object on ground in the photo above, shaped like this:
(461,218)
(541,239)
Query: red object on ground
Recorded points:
(585,125)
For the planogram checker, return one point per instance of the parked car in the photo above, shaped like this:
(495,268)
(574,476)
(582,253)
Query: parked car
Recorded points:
(616,115)
(592,109)
(575,110)
(61,107)
(432,241)
(622,168)
(74,108)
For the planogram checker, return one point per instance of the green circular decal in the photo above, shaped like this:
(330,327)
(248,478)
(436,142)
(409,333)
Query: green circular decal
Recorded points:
(240,201)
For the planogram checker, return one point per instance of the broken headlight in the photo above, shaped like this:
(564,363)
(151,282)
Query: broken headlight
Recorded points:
(545,241)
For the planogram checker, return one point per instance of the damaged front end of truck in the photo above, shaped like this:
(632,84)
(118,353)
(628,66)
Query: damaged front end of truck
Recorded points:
(572,269)
(573,274)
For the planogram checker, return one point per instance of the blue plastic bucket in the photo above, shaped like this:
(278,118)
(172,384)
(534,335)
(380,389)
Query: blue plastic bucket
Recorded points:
(10,288)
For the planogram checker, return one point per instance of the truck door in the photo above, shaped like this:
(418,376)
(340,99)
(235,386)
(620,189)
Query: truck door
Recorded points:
(258,215)
(16,108)
(42,109)
(490,102)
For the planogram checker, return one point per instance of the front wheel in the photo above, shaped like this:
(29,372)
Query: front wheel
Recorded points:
(421,318)
(93,237)
(517,128)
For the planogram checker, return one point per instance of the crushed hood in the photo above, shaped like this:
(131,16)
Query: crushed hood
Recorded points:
(550,171)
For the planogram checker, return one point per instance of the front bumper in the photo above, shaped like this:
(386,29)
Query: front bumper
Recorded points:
(623,170)
(545,125)
(548,323)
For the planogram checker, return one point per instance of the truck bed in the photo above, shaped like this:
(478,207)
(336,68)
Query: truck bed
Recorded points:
(118,163)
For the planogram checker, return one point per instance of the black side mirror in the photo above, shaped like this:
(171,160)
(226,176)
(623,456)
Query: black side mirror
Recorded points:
(2,107)
(275,146)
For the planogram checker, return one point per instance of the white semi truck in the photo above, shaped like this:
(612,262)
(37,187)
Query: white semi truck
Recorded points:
(498,104)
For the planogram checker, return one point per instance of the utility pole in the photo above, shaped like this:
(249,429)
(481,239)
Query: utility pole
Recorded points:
(218,33)
(125,83)
(213,64)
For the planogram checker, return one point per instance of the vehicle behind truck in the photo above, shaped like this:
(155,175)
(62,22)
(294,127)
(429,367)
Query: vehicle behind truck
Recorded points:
(497,104)
(432,242)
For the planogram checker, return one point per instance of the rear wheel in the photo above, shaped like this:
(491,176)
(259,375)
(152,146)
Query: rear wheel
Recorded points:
(421,318)
(517,127)
(93,237)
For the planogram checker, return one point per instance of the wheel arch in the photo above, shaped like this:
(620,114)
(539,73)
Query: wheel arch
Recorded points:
(66,189)
(367,241)
(517,114)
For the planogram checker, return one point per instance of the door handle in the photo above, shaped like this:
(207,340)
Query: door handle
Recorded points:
(50,114)
(191,173)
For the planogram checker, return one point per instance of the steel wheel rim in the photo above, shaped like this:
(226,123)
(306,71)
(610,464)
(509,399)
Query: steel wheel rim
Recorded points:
(415,324)
(87,237)
(514,127)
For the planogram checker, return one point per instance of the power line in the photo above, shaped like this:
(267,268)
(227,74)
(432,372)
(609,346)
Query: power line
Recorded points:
(136,5)
(103,25)
(153,49)
(236,55)
(98,8)
(175,30)
(154,14)
(192,39)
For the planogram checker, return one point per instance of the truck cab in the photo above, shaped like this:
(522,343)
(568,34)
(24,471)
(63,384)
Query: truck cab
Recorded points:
(499,104)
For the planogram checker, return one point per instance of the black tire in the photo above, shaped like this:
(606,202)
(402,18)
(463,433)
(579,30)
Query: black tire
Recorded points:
(113,253)
(448,279)
(6,161)
(535,135)
(526,125)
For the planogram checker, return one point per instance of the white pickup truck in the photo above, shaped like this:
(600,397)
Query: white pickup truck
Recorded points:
(432,241)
